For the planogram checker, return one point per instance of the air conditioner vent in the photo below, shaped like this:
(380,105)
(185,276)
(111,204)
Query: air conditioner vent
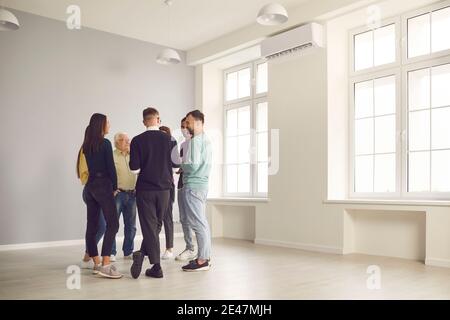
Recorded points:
(294,41)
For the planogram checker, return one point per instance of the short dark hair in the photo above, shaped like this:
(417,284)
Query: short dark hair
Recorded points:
(166,130)
(183,120)
(197,115)
(150,112)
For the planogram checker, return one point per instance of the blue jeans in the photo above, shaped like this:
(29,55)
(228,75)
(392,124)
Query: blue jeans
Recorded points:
(194,204)
(187,230)
(126,204)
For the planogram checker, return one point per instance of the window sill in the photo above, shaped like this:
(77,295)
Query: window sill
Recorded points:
(436,203)
(237,200)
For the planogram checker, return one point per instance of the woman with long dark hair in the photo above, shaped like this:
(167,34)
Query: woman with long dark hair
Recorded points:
(83,175)
(100,190)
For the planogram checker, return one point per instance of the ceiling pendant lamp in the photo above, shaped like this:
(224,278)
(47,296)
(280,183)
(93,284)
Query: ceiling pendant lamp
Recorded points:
(272,14)
(8,21)
(168,56)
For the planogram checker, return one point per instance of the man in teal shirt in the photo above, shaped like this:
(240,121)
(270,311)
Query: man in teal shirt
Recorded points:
(196,167)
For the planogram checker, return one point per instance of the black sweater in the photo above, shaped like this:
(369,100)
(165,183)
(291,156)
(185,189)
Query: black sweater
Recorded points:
(151,152)
(102,162)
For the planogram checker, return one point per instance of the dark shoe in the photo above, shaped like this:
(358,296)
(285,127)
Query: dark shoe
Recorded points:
(154,272)
(193,266)
(195,260)
(136,267)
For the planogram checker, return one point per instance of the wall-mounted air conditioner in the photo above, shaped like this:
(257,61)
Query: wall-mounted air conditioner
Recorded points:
(295,41)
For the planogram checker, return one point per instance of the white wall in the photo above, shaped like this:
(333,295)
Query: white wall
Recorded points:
(212,106)
(51,81)
(438,236)
(297,107)
(388,233)
(254,33)
(308,103)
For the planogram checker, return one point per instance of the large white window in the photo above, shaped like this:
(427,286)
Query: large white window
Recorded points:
(429,129)
(375,47)
(428,32)
(246,130)
(375,124)
(400,107)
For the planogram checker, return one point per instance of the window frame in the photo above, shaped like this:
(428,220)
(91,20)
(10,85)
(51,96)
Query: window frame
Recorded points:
(232,70)
(251,101)
(254,155)
(361,78)
(255,79)
(415,13)
(402,66)
(432,195)
(360,30)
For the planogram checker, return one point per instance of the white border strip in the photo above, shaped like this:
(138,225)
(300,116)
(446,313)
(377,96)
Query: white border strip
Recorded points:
(64,243)
(301,246)
(445,263)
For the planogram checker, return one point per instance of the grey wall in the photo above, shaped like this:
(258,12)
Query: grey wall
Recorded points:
(51,80)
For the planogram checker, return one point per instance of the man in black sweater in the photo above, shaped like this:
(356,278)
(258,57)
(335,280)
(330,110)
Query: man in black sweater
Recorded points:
(151,158)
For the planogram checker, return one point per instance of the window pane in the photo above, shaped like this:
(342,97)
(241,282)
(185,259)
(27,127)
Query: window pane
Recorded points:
(261,117)
(440,38)
(244,120)
(419,130)
(364,99)
(232,148)
(262,146)
(385,134)
(244,83)
(364,174)
(385,173)
(384,95)
(419,35)
(363,50)
(364,136)
(232,86)
(261,78)
(419,172)
(440,85)
(384,45)
(419,89)
(244,178)
(244,148)
(232,178)
(440,128)
(440,171)
(262,177)
(232,122)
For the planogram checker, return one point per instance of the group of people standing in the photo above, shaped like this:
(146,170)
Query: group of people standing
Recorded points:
(140,175)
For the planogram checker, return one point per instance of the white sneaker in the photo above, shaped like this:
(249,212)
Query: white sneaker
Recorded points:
(167,255)
(112,258)
(87,264)
(130,257)
(186,255)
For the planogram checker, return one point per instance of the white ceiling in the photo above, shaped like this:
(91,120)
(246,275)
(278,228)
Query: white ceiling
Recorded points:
(193,22)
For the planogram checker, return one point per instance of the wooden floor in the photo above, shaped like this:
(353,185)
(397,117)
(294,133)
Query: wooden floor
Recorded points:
(241,270)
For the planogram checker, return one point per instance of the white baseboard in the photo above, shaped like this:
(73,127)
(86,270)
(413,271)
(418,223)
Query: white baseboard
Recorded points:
(64,243)
(301,246)
(437,262)
(39,245)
